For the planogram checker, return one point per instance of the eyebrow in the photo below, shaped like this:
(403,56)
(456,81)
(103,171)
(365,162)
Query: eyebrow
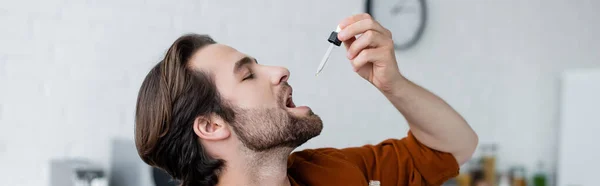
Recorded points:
(241,63)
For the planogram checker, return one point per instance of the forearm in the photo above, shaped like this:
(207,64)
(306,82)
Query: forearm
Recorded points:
(432,121)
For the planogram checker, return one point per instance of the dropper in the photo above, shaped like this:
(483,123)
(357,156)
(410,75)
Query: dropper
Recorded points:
(333,39)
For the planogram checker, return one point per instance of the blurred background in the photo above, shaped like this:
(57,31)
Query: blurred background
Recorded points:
(524,74)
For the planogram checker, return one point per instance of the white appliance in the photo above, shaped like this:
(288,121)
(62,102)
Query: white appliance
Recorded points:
(579,132)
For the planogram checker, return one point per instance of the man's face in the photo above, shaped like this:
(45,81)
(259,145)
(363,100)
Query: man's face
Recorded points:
(266,116)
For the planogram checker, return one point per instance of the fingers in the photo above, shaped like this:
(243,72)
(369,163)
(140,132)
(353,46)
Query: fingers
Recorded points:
(361,27)
(364,57)
(371,46)
(349,42)
(370,39)
(353,19)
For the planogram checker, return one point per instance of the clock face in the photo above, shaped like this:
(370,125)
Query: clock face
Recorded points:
(404,18)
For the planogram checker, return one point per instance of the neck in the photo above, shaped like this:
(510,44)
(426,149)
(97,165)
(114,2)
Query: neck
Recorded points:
(268,168)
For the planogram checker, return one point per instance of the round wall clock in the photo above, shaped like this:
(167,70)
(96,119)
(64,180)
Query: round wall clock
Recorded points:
(404,18)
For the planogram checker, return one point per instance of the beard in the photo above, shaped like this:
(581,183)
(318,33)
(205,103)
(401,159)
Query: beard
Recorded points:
(269,128)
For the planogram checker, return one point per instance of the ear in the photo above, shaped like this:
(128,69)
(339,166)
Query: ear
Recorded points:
(211,128)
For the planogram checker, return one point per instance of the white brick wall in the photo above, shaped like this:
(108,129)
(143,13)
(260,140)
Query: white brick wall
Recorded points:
(70,70)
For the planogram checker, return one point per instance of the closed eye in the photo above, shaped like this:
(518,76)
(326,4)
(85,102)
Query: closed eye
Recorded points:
(248,77)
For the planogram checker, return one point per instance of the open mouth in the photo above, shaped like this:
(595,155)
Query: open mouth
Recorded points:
(289,103)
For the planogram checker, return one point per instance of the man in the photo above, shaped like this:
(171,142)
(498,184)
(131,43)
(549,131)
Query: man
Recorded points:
(210,115)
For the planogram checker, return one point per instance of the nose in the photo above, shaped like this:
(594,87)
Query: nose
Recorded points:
(279,75)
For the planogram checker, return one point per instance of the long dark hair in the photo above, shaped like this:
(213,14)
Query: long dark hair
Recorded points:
(171,96)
